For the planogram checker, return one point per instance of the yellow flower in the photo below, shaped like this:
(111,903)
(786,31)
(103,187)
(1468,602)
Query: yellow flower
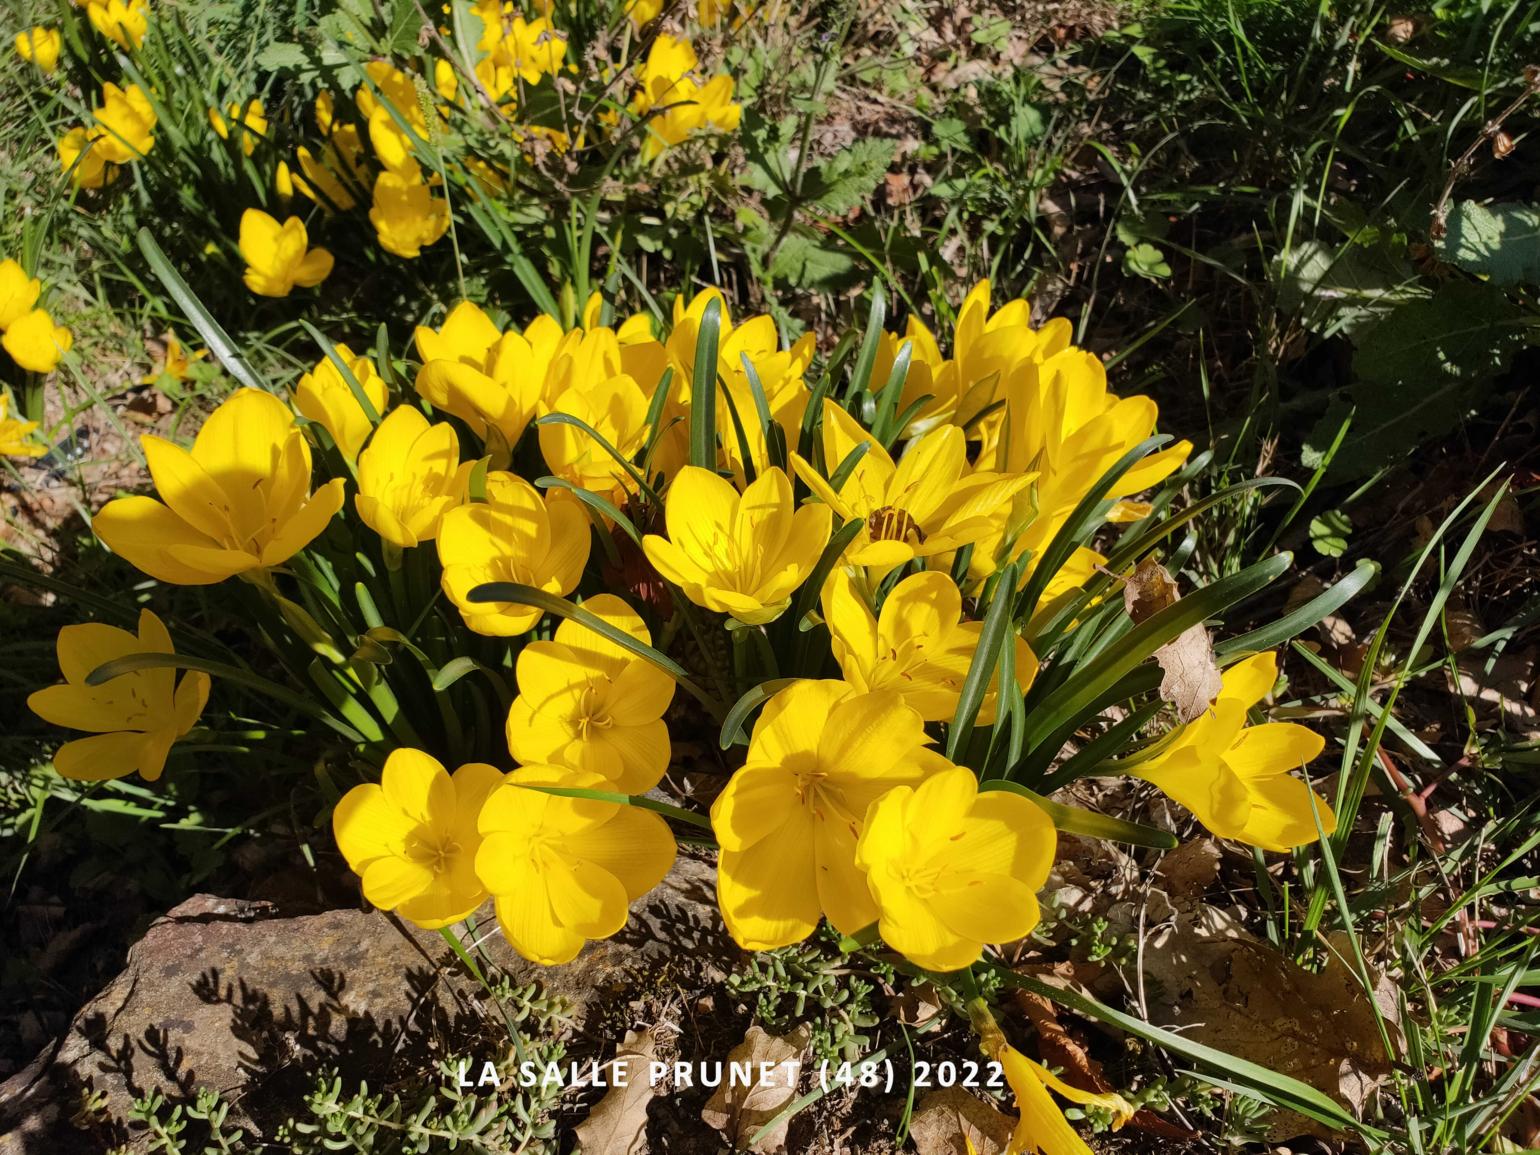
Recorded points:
(679,104)
(405,214)
(1042,1128)
(391,100)
(35,342)
(588,704)
(409,477)
(927,503)
(323,396)
(331,178)
(513,536)
(643,12)
(174,363)
(918,646)
(617,410)
(278,257)
(563,869)
(125,123)
(122,23)
(134,718)
(743,556)
(1234,777)
(15,434)
(412,839)
(18,292)
(951,869)
(512,49)
(40,46)
(240,501)
(283,182)
(489,379)
(788,821)
(82,162)
(251,119)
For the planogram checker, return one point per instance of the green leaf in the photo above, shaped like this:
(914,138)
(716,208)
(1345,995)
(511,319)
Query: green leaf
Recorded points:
(1145,260)
(996,633)
(214,336)
(703,388)
(732,725)
(1301,618)
(848,178)
(1501,242)
(1329,533)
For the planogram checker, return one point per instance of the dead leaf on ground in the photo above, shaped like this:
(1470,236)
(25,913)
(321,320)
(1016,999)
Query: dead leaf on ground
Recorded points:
(1190,678)
(738,1110)
(618,1123)
(947,1119)
(1190,869)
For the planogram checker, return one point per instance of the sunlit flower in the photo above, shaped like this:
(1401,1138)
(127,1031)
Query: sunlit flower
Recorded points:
(40,46)
(18,292)
(952,869)
(35,342)
(333,178)
(125,123)
(278,257)
(249,119)
(239,501)
(588,703)
(643,12)
(788,821)
(405,214)
(174,362)
(393,112)
(674,102)
(617,410)
(1236,778)
(16,435)
(134,718)
(918,646)
(412,839)
(124,22)
(565,869)
(409,476)
(324,396)
(743,556)
(82,163)
(513,49)
(516,535)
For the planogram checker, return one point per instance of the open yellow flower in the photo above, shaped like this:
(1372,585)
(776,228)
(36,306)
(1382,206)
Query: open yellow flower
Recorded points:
(409,477)
(175,362)
(406,215)
(680,105)
(278,257)
(124,22)
(489,379)
(564,869)
(513,49)
(788,821)
(323,396)
(1236,778)
(134,718)
(951,869)
(18,292)
(926,503)
(240,501)
(40,46)
(918,646)
(250,120)
(514,536)
(617,410)
(743,556)
(125,124)
(35,342)
(16,435)
(587,703)
(412,838)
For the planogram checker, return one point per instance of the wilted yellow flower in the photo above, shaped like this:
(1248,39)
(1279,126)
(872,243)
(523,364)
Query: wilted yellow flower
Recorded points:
(124,22)
(35,342)
(743,556)
(788,821)
(951,869)
(919,647)
(564,869)
(513,536)
(324,396)
(134,718)
(409,476)
(174,362)
(240,501)
(250,119)
(1236,778)
(16,435)
(40,46)
(679,103)
(405,214)
(412,839)
(617,410)
(278,257)
(587,703)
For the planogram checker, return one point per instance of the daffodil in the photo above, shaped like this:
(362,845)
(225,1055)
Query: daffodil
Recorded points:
(789,819)
(249,118)
(918,646)
(278,257)
(239,501)
(675,103)
(412,838)
(590,704)
(927,503)
(562,869)
(516,535)
(124,22)
(40,46)
(16,435)
(617,410)
(739,555)
(405,214)
(175,362)
(35,342)
(409,476)
(324,396)
(1236,778)
(134,718)
(952,869)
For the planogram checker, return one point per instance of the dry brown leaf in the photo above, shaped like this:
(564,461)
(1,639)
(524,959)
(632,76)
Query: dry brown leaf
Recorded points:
(1190,869)
(738,1110)
(1190,678)
(618,1123)
(949,1118)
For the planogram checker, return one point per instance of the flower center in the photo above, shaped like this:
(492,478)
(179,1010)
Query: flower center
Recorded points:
(434,849)
(891,523)
(592,713)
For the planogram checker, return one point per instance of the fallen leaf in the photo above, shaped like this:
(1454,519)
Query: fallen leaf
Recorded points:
(618,1123)
(1190,678)
(739,1110)
(1190,869)
(948,1119)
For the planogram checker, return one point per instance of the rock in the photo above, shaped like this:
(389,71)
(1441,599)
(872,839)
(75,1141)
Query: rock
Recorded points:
(235,996)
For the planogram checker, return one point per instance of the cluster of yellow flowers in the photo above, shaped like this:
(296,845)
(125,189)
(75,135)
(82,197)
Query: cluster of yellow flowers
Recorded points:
(673,101)
(30,336)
